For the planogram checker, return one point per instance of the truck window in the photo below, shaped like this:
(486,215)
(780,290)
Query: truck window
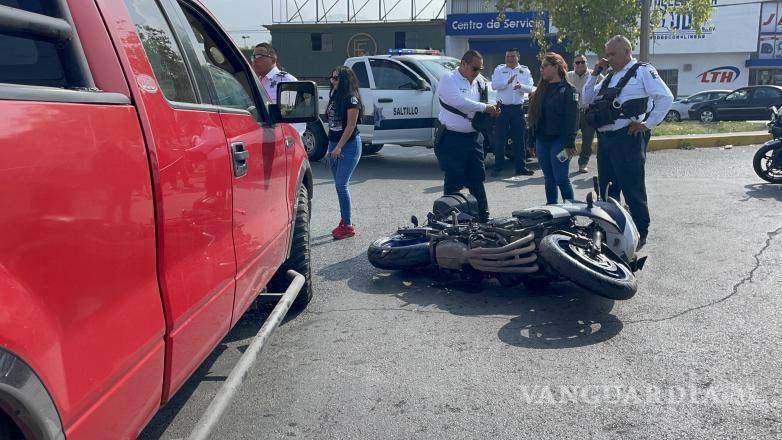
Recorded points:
(391,76)
(163,53)
(360,69)
(28,61)
(232,80)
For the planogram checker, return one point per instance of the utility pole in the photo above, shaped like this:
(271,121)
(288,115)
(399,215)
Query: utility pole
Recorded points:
(645,19)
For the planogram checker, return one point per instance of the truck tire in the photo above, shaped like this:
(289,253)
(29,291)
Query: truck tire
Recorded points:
(398,252)
(299,259)
(315,142)
(8,429)
(368,149)
(601,275)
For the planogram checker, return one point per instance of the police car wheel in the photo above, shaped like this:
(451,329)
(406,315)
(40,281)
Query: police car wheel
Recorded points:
(368,149)
(707,115)
(315,142)
(673,116)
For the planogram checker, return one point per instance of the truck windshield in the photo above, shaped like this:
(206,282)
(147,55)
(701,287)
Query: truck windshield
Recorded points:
(440,66)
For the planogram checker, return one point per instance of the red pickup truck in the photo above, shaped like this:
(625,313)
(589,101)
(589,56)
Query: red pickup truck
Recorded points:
(148,194)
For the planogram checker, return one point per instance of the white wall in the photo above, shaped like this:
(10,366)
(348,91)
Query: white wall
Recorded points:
(456,46)
(690,82)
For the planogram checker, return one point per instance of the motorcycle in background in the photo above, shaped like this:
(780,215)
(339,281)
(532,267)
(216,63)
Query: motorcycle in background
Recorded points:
(768,159)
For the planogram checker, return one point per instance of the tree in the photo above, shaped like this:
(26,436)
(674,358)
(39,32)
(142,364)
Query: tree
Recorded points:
(585,25)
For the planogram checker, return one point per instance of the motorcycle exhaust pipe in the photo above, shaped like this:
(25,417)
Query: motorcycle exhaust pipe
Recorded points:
(516,257)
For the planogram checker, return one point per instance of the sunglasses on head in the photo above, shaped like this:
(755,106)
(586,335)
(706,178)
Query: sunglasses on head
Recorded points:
(579,62)
(258,56)
(476,69)
(334,78)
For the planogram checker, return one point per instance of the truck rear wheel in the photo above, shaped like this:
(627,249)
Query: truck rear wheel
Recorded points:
(315,141)
(299,259)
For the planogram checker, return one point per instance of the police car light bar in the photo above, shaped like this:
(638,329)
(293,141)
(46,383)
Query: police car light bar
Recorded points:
(413,52)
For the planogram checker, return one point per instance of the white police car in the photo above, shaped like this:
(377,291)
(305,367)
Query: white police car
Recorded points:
(400,101)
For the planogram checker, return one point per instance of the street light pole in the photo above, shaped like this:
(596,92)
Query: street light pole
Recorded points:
(244,40)
(645,25)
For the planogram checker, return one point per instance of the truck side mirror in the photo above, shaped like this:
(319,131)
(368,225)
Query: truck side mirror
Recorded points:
(296,102)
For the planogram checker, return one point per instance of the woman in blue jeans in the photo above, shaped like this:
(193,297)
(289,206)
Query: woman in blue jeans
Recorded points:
(343,111)
(553,120)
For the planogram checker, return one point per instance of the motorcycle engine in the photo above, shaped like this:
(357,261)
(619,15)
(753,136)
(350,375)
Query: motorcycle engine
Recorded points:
(451,254)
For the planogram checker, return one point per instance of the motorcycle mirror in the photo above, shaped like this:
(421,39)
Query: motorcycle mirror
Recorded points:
(414,220)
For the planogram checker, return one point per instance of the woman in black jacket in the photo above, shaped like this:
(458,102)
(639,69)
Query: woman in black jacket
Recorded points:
(553,120)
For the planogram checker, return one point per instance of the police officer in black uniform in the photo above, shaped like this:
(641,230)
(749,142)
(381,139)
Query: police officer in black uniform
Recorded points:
(457,145)
(623,107)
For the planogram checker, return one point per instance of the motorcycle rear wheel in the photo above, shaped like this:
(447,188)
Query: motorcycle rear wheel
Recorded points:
(399,252)
(599,273)
(762,161)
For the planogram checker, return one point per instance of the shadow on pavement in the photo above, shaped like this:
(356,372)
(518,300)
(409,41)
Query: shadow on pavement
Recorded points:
(764,191)
(561,316)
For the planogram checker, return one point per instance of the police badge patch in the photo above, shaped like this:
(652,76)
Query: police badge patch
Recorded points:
(653,73)
(575,96)
(354,100)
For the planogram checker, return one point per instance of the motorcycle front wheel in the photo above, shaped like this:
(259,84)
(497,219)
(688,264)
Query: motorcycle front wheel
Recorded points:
(399,252)
(762,163)
(596,272)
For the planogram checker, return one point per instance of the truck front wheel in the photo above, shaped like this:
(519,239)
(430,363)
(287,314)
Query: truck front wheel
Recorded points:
(315,142)
(299,259)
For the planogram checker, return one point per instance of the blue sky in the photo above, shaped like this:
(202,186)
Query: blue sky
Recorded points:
(246,17)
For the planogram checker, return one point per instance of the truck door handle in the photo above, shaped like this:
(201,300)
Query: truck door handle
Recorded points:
(240,156)
(385,100)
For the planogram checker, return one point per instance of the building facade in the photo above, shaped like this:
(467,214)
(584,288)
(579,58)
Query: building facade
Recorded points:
(724,56)
(473,24)
(310,50)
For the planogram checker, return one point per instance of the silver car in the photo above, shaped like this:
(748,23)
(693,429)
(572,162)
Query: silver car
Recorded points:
(680,107)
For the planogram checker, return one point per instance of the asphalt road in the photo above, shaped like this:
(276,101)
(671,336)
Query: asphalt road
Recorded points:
(696,354)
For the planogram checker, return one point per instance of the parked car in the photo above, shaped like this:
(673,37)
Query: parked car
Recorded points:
(148,194)
(744,104)
(681,107)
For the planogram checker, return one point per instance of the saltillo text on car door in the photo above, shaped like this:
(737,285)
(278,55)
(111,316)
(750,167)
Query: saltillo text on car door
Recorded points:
(401,103)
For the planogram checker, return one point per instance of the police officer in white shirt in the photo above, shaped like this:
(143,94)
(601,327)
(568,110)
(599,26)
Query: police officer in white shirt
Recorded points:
(458,152)
(644,100)
(265,66)
(513,82)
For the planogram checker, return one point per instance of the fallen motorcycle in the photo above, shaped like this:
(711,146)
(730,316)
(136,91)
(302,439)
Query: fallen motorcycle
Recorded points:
(767,161)
(591,244)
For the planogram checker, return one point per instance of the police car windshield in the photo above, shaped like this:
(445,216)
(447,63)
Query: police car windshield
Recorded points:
(440,66)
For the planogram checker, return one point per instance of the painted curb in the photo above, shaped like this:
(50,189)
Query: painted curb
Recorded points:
(702,141)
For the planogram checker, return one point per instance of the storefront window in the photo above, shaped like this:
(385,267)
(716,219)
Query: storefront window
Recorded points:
(766,77)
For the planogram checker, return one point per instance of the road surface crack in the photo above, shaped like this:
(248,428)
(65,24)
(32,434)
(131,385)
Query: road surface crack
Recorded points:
(748,278)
